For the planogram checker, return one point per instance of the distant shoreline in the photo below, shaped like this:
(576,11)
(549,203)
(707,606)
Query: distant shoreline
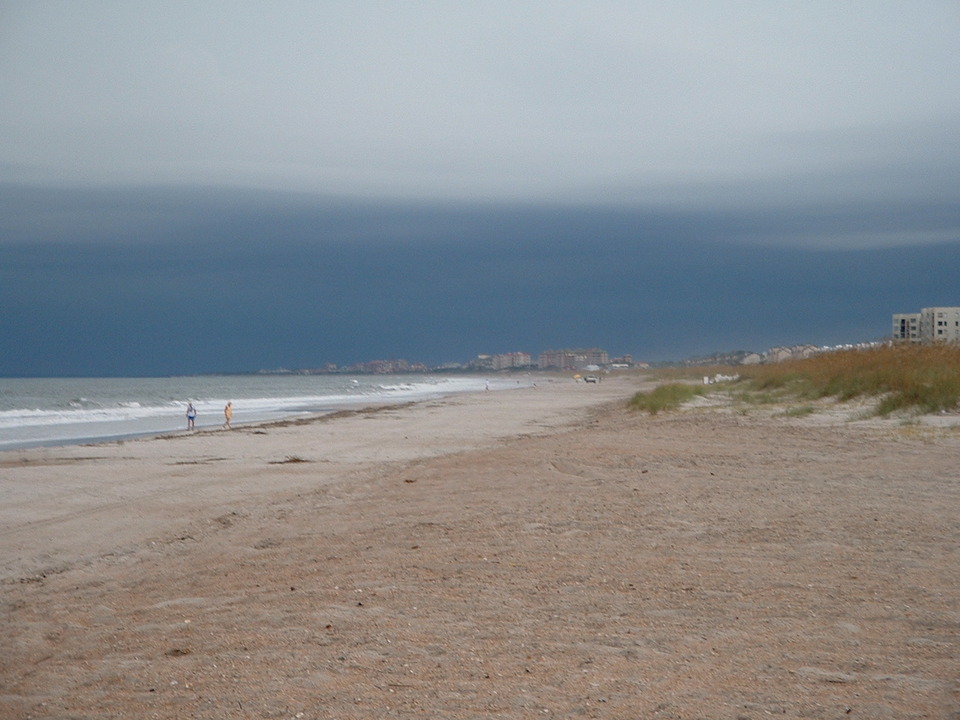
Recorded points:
(57,412)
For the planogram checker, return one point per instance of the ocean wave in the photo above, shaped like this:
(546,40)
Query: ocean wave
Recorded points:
(110,408)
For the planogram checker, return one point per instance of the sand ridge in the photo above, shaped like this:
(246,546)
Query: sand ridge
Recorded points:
(523,554)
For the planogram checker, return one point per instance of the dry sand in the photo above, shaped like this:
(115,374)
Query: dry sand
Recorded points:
(531,553)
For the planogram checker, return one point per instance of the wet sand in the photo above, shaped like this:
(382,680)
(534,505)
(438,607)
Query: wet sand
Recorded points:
(519,554)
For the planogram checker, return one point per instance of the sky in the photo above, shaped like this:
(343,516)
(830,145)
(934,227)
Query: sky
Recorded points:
(200,187)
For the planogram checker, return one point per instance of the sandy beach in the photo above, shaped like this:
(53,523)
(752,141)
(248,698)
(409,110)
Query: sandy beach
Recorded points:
(527,553)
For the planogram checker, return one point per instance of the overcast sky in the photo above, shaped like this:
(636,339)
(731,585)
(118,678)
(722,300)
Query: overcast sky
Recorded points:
(212,186)
(590,101)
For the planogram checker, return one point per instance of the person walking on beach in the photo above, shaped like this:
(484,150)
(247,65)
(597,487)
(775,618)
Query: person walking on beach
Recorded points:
(191,416)
(228,415)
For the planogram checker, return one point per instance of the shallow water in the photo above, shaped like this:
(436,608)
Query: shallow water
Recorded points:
(63,411)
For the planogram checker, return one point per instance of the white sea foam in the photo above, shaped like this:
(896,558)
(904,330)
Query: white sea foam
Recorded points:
(65,411)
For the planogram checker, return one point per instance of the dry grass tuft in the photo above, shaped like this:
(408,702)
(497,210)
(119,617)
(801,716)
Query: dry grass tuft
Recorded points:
(925,378)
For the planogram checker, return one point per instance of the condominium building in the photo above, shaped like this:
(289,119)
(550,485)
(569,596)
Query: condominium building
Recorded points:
(504,361)
(940,323)
(933,324)
(906,326)
(572,359)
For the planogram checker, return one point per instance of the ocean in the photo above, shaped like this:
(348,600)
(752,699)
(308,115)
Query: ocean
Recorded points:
(65,411)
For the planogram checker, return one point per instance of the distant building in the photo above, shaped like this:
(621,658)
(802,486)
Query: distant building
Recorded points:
(933,324)
(482,362)
(738,357)
(796,352)
(504,361)
(572,359)
(906,327)
(940,324)
(507,361)
(380,367)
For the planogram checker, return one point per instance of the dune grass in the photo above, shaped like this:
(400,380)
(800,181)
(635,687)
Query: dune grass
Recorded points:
(800,411)
(925,378)
(902,377)
(665,397)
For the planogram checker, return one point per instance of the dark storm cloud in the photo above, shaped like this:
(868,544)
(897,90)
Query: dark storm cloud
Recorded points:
(435,180)
(178,281)
(610,102)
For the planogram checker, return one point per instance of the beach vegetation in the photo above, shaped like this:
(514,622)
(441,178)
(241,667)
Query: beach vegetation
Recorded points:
(903,377)
(920,378)
(799,411)
(666,397)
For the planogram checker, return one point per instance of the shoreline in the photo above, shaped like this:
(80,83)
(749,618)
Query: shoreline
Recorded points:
(146,410)
(96,440)
(540,553)
(138,471)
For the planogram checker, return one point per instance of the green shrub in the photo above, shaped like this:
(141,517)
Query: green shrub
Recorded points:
(666,397)
(800,411)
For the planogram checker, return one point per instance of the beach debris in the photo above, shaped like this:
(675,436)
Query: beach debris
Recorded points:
(228,519)
(267,543)
(288,460)
(828,676)
(719,378)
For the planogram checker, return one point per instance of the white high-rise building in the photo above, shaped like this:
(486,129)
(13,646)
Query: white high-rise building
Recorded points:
(940,323)
(906,326)
(933,324)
